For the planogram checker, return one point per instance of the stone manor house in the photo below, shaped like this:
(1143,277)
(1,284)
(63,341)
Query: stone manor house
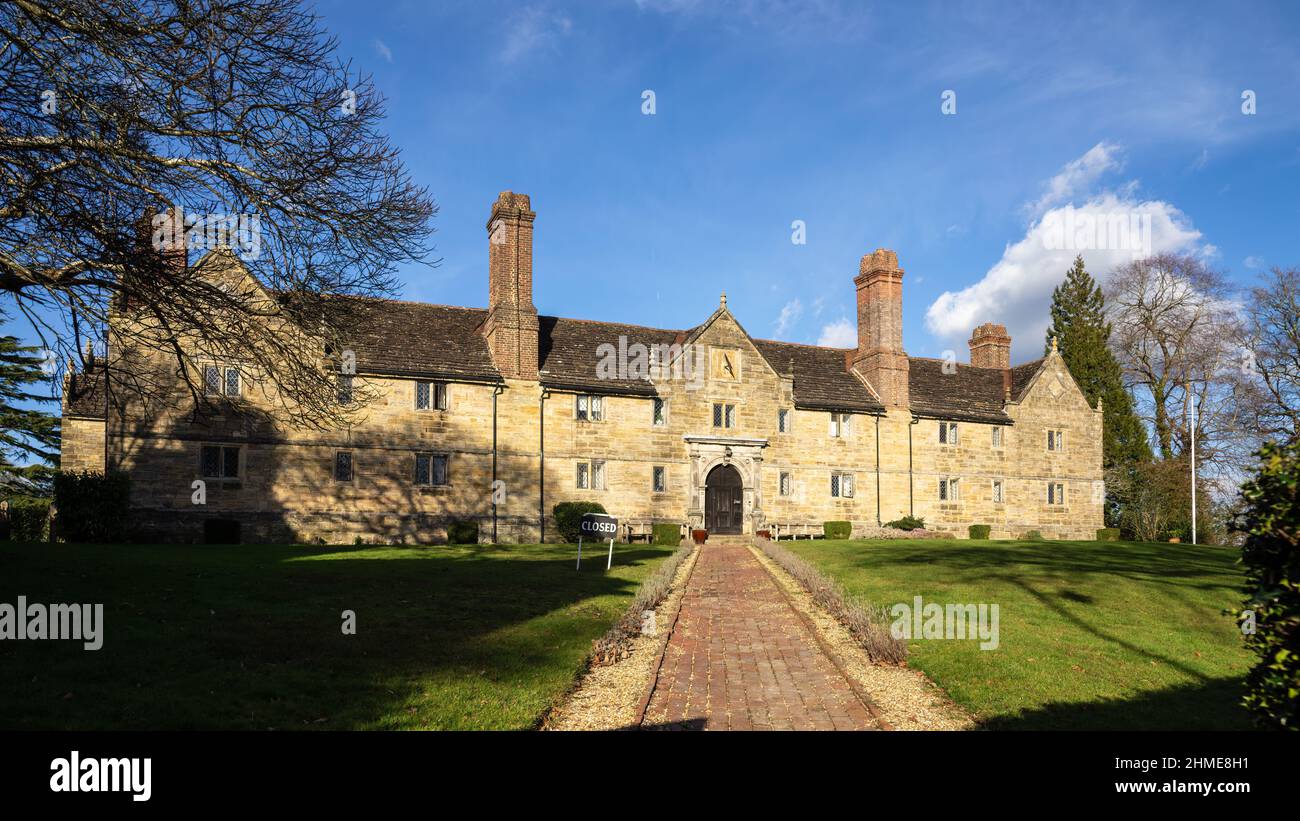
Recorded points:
(496,414)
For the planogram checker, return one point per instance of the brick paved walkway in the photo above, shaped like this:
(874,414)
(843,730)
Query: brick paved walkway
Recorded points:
(740,658)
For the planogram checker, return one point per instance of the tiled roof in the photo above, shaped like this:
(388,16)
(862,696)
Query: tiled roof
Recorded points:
(569,352)
(822,380)
(412,338)
(1021,376)
(969,393)
(85,395)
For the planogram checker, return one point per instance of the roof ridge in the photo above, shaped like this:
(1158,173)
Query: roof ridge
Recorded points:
(804,345)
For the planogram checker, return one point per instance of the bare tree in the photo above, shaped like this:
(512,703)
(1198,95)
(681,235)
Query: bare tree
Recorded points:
(1270,356)
(235,112)
(1175,329)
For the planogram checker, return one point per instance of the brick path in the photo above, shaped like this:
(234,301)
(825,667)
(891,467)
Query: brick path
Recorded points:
(740,658)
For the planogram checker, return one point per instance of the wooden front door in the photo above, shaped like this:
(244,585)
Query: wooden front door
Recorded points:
(723,500)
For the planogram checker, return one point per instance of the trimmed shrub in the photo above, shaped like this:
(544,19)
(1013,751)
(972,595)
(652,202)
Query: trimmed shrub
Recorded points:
(1031,535)
(837,530)
(666,534)
(1108,534)
(568,517)
(462,533)
(907,523)
(29,519)
(869,623)
(1271,555)
(979,531)
(92,507)
(614,645)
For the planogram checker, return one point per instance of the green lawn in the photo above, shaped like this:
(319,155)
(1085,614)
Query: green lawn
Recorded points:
(250,636)
(1093,635)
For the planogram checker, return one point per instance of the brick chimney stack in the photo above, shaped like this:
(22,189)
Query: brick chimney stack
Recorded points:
(511,326)
(990,347)
(880,357)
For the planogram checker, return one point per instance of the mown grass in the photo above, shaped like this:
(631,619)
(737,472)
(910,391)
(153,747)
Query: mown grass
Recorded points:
(1093,635)
(249,637)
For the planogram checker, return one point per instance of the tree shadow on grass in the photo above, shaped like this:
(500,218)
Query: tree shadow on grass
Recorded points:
(1213,704)
(251,636)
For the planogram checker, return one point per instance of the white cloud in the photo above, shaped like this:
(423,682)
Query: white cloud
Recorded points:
(1254,263)
(790,314)
(532,29)
(1078,176)
(839,334)
(1017,290)
(383,50)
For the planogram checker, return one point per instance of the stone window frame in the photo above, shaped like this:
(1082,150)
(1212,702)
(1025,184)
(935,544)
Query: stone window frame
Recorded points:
(1055,441)
(221,388)
(950,490)
(724,412)
(841,425)
(589,407)
(998,493)
(998,437)
(431,458)
(659,412)
(591,474)
(436,395)
(783,419)
(224,449)
(659,479)
(1056,494)
(949,434)
(784,483)
(839,489)
(351,465)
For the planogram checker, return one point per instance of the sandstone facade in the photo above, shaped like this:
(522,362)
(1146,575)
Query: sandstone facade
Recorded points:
(540,410)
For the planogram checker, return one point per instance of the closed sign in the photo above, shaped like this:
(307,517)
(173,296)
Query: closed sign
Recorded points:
(598,526)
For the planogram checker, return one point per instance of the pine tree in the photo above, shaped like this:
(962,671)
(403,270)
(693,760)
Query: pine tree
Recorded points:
(1082,335)
(26,434)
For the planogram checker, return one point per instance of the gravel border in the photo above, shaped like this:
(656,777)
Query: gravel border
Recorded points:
(613,696)
(905,698)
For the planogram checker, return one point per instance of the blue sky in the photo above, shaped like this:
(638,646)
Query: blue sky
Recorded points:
(830,113)
(769,112)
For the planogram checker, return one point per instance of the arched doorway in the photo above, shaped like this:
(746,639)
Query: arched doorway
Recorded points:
(724,505)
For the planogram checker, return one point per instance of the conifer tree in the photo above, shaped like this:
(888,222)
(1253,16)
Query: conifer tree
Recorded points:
(27,434)
(1083,335)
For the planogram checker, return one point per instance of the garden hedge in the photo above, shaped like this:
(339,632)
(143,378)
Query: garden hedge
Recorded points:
(92,507)
(980,531)
(667,534)
(1271,555)
(462,533)
(568,517)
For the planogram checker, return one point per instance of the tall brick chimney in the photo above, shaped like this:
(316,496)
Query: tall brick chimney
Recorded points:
(880,357)
(990,347)
(511,326)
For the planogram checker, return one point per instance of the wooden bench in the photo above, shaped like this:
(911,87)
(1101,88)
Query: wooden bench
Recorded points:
(634,529)
(794,530)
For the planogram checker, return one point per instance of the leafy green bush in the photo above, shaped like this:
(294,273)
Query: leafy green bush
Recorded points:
(837,530)
(92,507)
(29,519)
(1271,554)
(462,533)
(568,517)
(907,523)
(979,531)
(1108,534)
(666,534)
(1031,535)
